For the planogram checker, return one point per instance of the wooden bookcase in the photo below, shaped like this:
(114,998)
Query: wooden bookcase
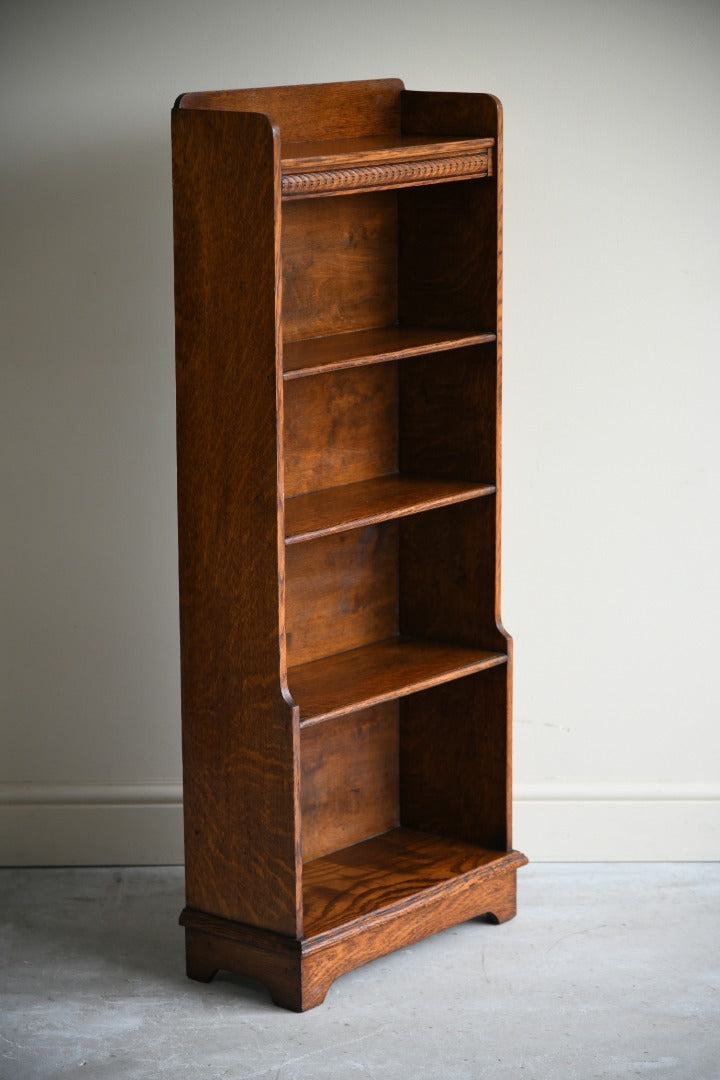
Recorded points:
(345,676)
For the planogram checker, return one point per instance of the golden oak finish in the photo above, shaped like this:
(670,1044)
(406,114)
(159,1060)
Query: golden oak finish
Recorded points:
(379,672)
(375,150)
(342,592)
(349,781)
(240,758)
(383,872)
(346,680)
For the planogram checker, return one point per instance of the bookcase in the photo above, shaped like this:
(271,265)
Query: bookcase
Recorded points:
(346,681)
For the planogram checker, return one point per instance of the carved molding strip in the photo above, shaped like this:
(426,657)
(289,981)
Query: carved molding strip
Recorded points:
(363,177)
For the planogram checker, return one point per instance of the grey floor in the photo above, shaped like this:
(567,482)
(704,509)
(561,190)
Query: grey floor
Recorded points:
(609,970)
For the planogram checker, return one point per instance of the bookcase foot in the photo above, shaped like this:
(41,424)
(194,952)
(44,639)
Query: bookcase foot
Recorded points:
(504,902)
(294,981)
(297,996)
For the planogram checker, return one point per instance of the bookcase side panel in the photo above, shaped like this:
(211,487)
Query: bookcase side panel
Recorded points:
(240,733)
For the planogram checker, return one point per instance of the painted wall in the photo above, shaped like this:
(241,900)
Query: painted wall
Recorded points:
(611,400)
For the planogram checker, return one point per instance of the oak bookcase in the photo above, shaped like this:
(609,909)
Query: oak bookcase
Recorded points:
(345,676)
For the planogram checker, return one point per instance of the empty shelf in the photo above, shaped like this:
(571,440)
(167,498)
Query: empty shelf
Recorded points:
(381,671)
(390,871)
(367,502)
(336,351)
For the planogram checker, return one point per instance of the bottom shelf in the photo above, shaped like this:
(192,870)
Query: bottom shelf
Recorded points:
(387,872)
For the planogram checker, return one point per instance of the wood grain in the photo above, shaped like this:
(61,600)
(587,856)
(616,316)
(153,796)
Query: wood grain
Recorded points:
(341,110)
(340,428)
(367,502)
(381,614)
(377,149)
(341,593)
(349,783)
(339,260)
(381,671)
(239,733)
(435,170)
(382,873)
(379,345)
(298,973)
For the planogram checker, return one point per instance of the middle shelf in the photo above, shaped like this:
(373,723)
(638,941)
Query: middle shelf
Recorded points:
(356,348)
(368,502)
(381,671)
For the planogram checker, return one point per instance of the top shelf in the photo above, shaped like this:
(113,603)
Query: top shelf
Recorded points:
(343,166)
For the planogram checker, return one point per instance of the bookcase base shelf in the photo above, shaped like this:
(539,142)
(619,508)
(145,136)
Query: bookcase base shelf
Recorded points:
(298,973)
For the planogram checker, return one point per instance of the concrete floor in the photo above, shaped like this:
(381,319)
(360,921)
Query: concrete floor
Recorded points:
(609,970)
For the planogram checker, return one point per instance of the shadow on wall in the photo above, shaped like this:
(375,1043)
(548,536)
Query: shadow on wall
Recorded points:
(93,674)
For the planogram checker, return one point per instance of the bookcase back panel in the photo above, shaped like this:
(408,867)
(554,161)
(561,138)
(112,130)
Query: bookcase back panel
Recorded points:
(349,779)
(341,110)
(447,415)
(454,743)
(341,592)
(339,264)
(340,427)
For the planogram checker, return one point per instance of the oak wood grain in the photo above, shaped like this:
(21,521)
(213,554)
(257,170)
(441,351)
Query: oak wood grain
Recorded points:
(381,671)
(368,502)
(339,262)
(341,592)
(337,563)
(340,110)
(349,782)
(339,428)
(298,973)
(382,873)
(379,345)
(386,176)
(240,738)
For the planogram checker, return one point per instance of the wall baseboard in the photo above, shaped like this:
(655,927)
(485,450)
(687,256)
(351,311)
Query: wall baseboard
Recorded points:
(141,824)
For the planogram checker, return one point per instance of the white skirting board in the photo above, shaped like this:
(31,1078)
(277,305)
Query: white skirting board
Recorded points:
(141,824)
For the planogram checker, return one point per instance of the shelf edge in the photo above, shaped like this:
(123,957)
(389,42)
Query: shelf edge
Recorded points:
(490,660)
(478,491)
(504,863)
(384,357)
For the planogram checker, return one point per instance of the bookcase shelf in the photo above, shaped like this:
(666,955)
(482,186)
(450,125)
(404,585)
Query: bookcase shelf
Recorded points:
(384,874)
(367,502)
(345,675)
(381,671)
(376,346)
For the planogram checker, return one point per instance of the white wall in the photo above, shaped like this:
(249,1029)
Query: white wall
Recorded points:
(612,353)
